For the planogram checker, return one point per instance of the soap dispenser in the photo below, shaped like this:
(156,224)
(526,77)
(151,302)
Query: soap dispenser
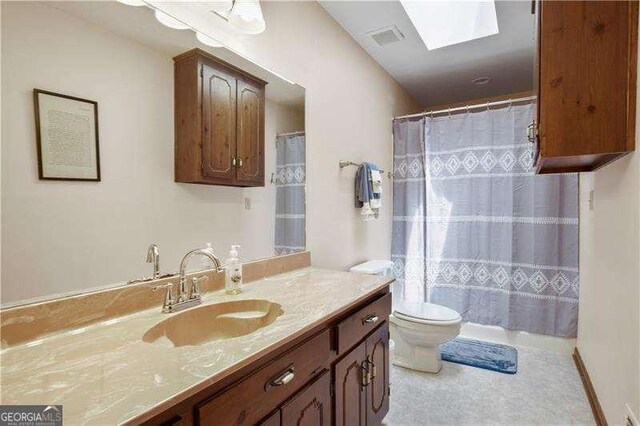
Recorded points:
(232,272)
(206,262)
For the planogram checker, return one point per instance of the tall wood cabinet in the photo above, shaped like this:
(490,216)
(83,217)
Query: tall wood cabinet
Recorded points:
(585,83)
(219,122)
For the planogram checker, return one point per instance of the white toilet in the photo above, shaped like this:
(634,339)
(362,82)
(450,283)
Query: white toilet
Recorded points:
(417,328)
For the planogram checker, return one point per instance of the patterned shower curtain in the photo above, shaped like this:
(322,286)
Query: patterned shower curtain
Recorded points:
(290,194)
(476,230)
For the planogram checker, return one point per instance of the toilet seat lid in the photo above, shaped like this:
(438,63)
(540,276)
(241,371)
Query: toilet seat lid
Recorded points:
(425,311)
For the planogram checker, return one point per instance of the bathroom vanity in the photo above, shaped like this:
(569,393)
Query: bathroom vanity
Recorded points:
(338,370)
(299,345)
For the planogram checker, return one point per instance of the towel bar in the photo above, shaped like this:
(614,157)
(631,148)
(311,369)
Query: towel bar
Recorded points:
(346,163)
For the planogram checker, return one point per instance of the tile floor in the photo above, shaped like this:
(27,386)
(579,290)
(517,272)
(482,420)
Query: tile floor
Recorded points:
(546,390)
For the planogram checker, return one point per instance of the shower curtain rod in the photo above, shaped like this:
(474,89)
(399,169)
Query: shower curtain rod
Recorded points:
(467,107)
(291,134)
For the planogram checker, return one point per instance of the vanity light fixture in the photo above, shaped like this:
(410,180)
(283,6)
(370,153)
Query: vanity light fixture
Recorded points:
(135,3)
(209,41)
(169,21)
(219,6)
(246,16)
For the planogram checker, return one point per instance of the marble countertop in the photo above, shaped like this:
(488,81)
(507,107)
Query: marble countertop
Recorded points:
(105,374)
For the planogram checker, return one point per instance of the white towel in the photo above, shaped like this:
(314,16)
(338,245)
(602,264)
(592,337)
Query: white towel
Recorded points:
(367,213)
(376,188)
(376,181)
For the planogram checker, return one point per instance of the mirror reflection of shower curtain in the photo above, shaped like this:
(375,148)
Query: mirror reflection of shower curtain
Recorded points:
(476,230)
(291,177)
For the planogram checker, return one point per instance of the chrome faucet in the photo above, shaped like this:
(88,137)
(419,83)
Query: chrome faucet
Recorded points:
(187,298)
(153,256)
(182,290)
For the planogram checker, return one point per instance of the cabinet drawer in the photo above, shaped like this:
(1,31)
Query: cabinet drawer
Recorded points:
(257,395)
(357,326)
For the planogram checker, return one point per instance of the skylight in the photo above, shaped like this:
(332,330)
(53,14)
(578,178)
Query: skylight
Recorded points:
(443,23)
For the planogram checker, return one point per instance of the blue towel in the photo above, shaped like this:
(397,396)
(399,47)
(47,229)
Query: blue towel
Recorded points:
(364,189)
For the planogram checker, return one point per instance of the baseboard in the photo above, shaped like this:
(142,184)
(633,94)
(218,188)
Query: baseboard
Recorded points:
(598,414)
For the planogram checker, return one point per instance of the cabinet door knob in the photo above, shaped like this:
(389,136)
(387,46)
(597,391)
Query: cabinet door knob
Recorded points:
(233,162)
(370,319)
(240,162)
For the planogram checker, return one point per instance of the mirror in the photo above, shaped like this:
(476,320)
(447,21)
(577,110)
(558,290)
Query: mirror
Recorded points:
(62,237)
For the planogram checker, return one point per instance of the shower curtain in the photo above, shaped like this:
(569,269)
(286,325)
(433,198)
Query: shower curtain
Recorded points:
(476,230)
(290,194)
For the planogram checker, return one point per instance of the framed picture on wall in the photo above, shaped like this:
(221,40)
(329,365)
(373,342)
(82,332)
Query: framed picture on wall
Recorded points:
(67,137)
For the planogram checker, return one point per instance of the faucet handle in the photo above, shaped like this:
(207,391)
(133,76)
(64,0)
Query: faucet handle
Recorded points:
(195,285)
(169,299)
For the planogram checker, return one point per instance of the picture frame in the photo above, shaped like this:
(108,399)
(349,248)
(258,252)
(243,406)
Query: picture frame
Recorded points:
(67,137)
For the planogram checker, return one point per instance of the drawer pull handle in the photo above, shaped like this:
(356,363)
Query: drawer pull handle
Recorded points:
(532,132)
(286,377)
(370,319)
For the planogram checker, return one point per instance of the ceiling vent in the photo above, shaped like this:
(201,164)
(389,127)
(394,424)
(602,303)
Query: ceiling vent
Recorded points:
(386,35)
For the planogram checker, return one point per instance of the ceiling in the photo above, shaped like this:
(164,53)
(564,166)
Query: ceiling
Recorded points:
(443,76)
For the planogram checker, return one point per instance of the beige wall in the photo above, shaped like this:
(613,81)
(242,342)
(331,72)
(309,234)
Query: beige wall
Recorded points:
(609,323)
(350,101)
(65,236)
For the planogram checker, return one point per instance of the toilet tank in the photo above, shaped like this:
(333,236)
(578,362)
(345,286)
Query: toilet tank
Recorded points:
(373,267)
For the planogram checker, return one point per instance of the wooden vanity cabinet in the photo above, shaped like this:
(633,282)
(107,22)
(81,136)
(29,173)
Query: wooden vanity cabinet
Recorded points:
(361,381)
(336,374)
(219,122)
(585,82)
(311,406)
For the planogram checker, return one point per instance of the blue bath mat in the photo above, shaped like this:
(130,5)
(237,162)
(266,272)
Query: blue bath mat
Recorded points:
(475,353)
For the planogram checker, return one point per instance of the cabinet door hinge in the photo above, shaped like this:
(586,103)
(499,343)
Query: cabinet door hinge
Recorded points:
(389,390)
(332,388)
(201,72)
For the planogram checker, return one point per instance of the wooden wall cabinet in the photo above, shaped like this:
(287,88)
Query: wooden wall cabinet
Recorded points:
(585,83)
(219,122)
(335,374)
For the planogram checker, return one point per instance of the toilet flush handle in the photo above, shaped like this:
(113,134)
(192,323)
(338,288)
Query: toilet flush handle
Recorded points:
(370,319)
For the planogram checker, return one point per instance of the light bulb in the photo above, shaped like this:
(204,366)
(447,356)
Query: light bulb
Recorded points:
(246,16)
(169,21)
(209,41)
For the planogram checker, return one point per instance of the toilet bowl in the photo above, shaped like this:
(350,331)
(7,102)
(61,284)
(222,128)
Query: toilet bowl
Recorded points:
(418,329)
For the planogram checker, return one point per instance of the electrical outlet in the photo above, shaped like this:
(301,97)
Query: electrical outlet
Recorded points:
(247,203)
(630,418)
